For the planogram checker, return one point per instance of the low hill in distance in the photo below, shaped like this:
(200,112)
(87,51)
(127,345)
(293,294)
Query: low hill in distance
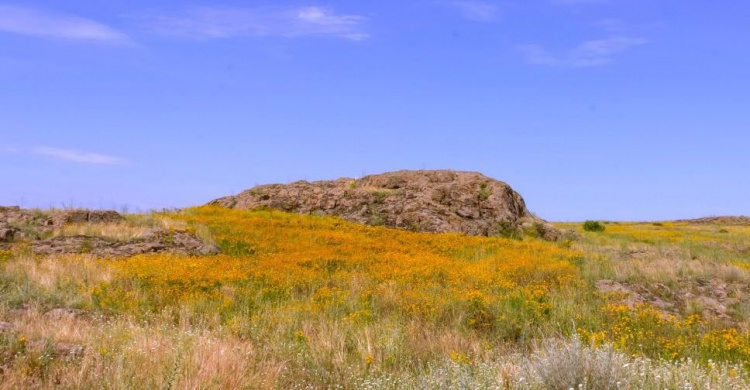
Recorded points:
(719,220)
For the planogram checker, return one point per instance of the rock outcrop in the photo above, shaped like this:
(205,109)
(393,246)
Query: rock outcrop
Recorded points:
(723,220)
(16,216)
(427,201)
(85,216)
(18,223)
(38,228)
(156,241)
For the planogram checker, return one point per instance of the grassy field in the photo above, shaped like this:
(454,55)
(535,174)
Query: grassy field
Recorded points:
(317,302)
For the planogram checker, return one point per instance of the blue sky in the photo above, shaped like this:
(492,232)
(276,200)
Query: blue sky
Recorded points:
(606,109)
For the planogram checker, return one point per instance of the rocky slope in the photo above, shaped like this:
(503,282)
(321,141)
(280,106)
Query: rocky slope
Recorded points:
(18,226)
(427,201)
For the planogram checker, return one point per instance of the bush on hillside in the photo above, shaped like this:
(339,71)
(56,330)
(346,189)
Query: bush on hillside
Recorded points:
(593,226)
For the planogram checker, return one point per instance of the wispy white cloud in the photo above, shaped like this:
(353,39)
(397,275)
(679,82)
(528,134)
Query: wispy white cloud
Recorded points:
(78,156)
(479,11)
(35,22)
(223,22)
(587,54)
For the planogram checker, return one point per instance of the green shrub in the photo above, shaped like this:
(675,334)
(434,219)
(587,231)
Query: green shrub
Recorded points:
(593,226)
(377,220)
(484,191)
(536,230)
(380,195)
(508,230)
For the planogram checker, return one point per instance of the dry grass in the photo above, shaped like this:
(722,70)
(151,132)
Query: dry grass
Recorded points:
(122,231)
(123,354)
(133,227)
(677,255)
(668,265)
(566,365)
(53,271)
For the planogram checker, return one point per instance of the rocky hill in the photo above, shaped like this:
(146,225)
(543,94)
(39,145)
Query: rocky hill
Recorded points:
(427,201)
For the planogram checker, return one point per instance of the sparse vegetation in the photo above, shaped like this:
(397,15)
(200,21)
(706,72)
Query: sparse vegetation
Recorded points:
(380,195)
(484,191)
(508,230)
(536,230)
(376,217)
